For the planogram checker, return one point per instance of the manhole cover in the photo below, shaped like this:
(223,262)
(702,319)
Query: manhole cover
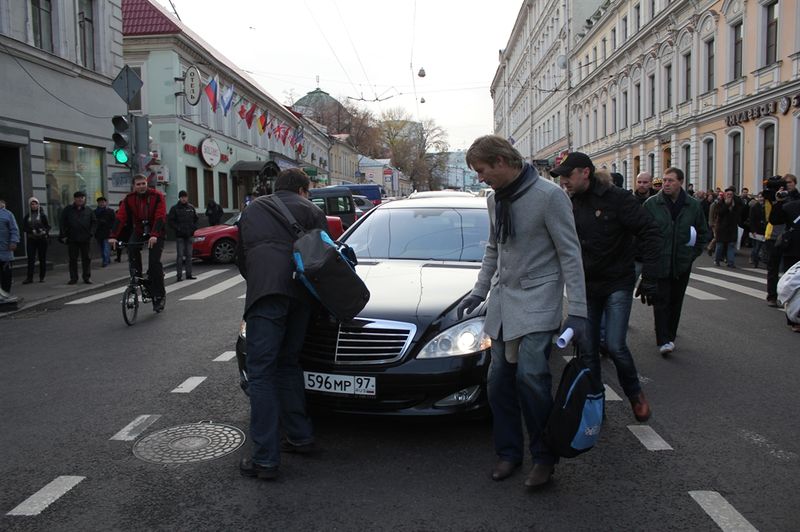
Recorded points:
(189,443)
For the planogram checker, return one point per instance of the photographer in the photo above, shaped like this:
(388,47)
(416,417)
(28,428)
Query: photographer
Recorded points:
(143,215)
(777,191)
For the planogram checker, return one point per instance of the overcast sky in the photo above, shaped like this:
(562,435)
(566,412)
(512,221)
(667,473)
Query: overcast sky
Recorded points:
(366,48)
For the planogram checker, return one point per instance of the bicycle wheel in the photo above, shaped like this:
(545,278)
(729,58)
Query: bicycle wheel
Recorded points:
(130,305)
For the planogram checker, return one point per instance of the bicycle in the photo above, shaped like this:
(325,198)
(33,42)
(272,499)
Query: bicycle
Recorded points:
(138,288)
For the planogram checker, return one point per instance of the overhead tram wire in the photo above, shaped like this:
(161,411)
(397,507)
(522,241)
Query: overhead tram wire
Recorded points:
(305,3)
(355,50)
(411,60)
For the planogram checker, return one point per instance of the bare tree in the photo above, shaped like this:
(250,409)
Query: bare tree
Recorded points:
(418,149)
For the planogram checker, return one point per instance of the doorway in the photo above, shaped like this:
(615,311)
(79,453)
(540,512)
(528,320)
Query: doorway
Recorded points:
(11,186)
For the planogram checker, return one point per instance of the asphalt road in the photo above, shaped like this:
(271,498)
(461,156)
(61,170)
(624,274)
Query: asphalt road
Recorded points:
(74,376)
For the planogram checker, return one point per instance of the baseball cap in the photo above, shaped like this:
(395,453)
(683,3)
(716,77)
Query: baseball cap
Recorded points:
(79,194)
(574,160)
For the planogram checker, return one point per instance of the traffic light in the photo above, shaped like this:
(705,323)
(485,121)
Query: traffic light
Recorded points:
(122,149)
(141,135)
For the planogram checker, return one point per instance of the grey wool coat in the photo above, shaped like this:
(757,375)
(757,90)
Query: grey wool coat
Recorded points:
(527,274)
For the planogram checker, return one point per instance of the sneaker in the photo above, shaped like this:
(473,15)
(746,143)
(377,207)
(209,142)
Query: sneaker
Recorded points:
(87,281)
(772,302)
(666,349)
(191,277)
(716,263)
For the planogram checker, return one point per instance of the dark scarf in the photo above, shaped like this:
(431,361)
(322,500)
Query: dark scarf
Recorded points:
(503,198)
(675,206)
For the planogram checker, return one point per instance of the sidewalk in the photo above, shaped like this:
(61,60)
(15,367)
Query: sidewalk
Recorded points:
(55,284)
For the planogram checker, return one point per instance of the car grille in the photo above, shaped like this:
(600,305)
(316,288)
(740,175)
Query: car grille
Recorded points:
(359,342)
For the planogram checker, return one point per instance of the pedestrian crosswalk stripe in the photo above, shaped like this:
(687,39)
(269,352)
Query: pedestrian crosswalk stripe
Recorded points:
(189,282)
(226,356)
(189,384)
(721,511)
(133,429)
(649,438)
(108,293)
(242,296)
(704,296)
(611,395)
(735,274)
(730,286)
(754,270)
(216,289)
(36,503)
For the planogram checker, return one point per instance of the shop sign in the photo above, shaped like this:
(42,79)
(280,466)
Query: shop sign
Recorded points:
(191,150)
(191,85)
(745,115)
(209,152)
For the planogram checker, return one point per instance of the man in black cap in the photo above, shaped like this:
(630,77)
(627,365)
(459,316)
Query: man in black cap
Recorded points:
(607,218)
(182,218)
(78,225)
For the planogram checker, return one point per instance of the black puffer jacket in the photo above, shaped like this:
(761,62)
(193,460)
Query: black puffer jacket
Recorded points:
(78,224)
(607,219)
(264,254)
(182,218)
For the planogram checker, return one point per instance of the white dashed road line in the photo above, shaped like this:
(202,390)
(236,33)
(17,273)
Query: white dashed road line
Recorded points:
(133,429)
(730,286)
(36,503)
(701,295)
(107,293)
(226,356)
(189,384)
(216,289)
(735,274)
(649,438)
(189,282)
(721,511)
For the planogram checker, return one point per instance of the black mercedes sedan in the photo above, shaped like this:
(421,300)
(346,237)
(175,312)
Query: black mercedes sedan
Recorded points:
(406,353)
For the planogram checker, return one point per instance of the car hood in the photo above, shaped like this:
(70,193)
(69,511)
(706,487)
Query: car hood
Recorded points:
(414,291)
(214,229)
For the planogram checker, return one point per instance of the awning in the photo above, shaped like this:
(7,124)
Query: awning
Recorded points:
(254,169)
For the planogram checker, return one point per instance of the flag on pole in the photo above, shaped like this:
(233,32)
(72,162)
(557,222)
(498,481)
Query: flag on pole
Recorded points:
(250,115)
(262,123)
(226,100)
(242,109)
(299,141)
(284,134)
(211,93)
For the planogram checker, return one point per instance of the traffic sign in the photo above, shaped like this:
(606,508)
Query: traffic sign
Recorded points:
(127,84)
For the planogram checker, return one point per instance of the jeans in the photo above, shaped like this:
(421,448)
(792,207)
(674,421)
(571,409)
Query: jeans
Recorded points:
(74,249)
(276,328)
(5,275)
(774,258)
(755,254)
(105,250)
(523,388)
(730,252)
(183,246)
(155,271)
(616,309)
(667,310)
(37,249)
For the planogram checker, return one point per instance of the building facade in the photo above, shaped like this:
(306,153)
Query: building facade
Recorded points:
(58,61)
(343,161)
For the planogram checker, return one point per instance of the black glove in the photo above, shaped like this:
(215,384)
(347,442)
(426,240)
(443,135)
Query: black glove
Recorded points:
(647,291)
(580,329)
(468,305)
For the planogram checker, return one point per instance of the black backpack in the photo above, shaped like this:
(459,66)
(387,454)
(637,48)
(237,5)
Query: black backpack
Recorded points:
(578,411)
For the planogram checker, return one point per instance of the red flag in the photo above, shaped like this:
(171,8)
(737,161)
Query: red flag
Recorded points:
(284,134)
(242,111)
(250,115)
(262,123)
(211,93)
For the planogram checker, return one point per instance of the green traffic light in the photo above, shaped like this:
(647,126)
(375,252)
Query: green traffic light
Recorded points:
(121,156)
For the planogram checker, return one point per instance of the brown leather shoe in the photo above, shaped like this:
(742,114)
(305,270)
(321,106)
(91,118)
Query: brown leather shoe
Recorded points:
(503,469)
(540,475)
(641,409)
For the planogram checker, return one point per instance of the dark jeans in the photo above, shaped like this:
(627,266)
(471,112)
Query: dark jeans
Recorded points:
(105,250)
(730,252)
(276,328)
(755,254)
(522,389)
(774,257)
(37,248)
(5,275)
(155,272)
(184,258)
(616,309)
(74,249)
(667,312)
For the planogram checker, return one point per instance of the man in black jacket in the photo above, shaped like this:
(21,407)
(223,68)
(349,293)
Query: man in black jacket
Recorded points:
(607,219)
(182,218)
(277,311)
(78,225)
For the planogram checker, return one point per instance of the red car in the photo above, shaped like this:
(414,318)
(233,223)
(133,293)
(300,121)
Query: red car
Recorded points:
(218,242)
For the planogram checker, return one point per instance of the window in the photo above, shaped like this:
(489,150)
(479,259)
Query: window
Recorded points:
(651,82)
(772,35)
(652,9)
(624,29)
(613,115)
(738,35)
(708,147)
(69,168)
(580,70)
(208,185)
(687,76)
(605,120)
(42,20)
(86,30)
(191,184)
(580,131)
(651,163)
(687,159)
(736,160)
(667,87)
(768,162)
(223,190)
(637,103)
(613,39)
(637,17)
(624,116)
(710,65)
(603,49)
(594,56)
(594,124)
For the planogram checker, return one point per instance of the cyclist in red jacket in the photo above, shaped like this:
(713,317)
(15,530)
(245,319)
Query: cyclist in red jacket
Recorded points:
(143,215)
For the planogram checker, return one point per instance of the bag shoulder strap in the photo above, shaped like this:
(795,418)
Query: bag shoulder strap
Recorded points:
(287,215)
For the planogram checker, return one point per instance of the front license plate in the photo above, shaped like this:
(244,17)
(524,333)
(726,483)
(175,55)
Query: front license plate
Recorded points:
(341,384)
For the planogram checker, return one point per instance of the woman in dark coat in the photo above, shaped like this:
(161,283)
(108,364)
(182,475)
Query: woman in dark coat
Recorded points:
(37,228)
(214,213)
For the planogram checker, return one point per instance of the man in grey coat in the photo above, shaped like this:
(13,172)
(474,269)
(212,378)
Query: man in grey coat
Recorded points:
(533,250)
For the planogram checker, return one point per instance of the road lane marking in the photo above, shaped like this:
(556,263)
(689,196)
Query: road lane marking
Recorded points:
(107,293)
(36,503)
(216,289)
(189,384)
(133,429)
(735,274)
(242,296)
(760,441)
(731,286)
(649,438)
(721,511)
(226,356)
(703,296)
(189,282)
(611,395)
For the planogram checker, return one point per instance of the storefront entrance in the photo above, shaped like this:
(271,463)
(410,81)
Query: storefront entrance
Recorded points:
(11,186)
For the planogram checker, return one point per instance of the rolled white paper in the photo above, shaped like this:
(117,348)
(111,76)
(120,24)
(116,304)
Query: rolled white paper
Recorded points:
(692,237)
(565,337)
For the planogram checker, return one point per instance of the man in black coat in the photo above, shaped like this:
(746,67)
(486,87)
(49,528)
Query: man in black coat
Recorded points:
(182,218)
(277,311)
(78,225)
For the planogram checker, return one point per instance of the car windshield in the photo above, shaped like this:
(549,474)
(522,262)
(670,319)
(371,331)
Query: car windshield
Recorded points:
(232,220)
(422,234)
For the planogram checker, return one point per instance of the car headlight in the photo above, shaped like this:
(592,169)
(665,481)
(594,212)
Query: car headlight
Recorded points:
(462,339)
(243,329)
(198,239)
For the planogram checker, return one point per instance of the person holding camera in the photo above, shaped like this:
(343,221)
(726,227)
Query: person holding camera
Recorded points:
(143,214)
(37,228)
(785,213)
(777,191)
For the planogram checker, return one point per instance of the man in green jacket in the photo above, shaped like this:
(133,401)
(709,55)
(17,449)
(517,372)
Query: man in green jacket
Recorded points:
(685,231)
